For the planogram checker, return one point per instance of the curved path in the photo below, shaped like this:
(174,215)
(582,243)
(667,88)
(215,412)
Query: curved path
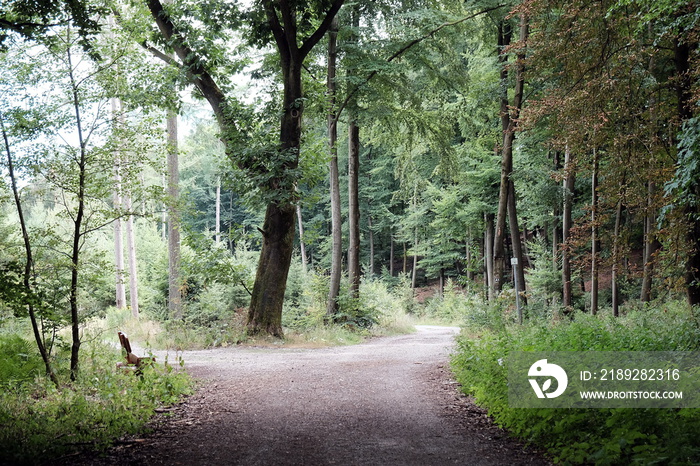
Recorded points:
(389,401)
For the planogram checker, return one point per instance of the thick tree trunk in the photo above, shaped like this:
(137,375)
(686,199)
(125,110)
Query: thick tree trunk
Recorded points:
(265,313)
(569,184)
(174,291)
(353,207)
(336,215)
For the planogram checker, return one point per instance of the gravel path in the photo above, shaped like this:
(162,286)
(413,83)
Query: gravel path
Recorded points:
(389,401)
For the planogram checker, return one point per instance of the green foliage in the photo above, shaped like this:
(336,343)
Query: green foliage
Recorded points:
(587,436)
(39,423)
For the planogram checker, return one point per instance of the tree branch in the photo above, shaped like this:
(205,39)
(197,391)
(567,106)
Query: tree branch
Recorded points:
(405,48)
(192,63)
(313,39)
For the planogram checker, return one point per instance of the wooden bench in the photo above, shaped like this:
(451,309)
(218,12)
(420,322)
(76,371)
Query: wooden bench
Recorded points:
(133,362)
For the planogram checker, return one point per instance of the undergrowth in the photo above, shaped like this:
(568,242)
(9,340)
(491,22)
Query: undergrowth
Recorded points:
(584,436)
(40,423)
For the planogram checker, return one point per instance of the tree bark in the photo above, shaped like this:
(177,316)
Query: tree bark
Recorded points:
(516,242)
(131,248)
(489,256)
(353,184)
(569,184)
(120,295)
(336,216)
(217,227)
(595,246)
(174,282)
(302,246)
(616,258)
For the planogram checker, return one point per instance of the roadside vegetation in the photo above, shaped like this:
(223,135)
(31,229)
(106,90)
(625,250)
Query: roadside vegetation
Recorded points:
(582,436)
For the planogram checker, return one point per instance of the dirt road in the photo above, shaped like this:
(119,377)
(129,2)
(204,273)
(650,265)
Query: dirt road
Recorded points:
(389,401)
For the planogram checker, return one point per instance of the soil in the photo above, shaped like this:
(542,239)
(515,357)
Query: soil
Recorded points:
(389,401)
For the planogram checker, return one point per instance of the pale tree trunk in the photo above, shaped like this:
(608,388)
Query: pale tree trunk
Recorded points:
(174,291)
(217,227)
(131,248)
(120,297)
(517,243)
(468,253)
(616,258)
(594,235)
(489,255)
(336,220)
(569,183)
(302,246)
(651,243)
(405,259)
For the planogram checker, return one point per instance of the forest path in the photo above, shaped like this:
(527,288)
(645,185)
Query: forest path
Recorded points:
(388,401)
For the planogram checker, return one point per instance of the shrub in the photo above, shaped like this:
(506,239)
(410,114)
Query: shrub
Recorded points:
(600,436)
(39,422)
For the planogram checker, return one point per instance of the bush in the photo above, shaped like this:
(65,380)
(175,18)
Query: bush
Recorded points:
(600,436)
(39,422)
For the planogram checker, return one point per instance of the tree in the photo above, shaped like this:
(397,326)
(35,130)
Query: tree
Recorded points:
(289,24)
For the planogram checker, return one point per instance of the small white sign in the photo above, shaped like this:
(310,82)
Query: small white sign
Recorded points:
(514,261)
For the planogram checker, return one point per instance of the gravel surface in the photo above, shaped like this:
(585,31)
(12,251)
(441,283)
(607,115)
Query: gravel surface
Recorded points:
(389,401)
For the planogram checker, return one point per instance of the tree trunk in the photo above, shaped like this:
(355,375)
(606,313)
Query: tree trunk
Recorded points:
(174,282)
(353,177)
(336,215)
(569,184)
(616,258)
(131,248)
(517,244)
(302,246)
(77,228)
(265,313)
(651,244)
(353,207)
(371,245)
(595,247)
(217,227)
(489,256)
(120,297)
(29,264)
(391,255)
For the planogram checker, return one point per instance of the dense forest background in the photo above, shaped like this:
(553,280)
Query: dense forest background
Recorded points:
(250,168)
